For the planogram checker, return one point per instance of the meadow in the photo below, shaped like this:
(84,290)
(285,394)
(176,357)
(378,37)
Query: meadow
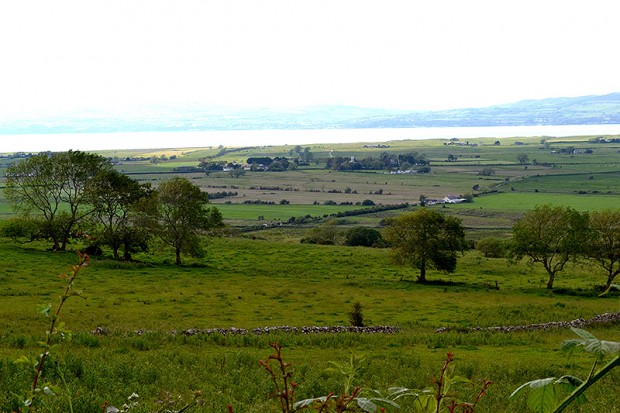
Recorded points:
(247,283)
(266,277)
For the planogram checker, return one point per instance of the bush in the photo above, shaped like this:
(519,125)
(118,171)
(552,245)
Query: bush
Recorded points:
(325,234)
(363,237)
(356,318)
(22,229)
(492,247)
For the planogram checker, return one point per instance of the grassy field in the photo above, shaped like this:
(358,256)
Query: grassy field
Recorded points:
(252,283)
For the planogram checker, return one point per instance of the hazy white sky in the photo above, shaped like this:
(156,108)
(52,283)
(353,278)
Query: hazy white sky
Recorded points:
(412,54)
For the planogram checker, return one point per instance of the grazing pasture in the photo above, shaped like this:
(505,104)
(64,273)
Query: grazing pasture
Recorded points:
(248,283)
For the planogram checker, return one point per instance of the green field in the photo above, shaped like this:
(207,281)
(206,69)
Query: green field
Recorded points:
(259,275)
(250,283)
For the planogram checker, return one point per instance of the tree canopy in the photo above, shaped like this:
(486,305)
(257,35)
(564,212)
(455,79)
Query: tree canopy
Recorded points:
(53,188)
(182,215)
(116,200)
(603,247)
(426,239)
(550,236)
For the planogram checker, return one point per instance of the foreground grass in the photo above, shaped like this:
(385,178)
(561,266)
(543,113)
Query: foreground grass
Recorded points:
(251,283)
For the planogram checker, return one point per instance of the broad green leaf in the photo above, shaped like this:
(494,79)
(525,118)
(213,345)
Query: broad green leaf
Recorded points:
(385,402)
(25,360)
(532,384)
(456,380)
(366,405)
(570,383)
(308,402)
(583,333)
(543,399)
(602,347)
(398,392)
(426,403)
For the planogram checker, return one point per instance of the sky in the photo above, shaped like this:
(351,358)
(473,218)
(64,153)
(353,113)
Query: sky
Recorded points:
(71,55)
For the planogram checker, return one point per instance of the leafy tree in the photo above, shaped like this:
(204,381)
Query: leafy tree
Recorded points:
(363,237)
(325,234)
(115,198)
(426,239)
(492,247)
(182,216)
(523,158)
(55,187)
(550,236)
(604,245)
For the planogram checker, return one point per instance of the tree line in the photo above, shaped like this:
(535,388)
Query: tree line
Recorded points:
(385,161)
(67,195)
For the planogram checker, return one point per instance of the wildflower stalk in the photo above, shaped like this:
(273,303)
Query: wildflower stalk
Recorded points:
(83,261)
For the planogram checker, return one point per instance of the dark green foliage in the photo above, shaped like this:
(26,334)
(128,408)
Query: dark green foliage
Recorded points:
(426,238)
(179,215)
(550,236)
(55,187)
(356,317)
(324,234)
(22,229)
(363,237)
(116,199)
(603,247)
(492,247)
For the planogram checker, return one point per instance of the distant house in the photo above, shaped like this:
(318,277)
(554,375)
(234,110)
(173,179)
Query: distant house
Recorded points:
(452,199)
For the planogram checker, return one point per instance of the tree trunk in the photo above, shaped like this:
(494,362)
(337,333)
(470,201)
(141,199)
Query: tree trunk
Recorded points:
(178,255)
(422,277)
(126,253)
(550,282)
(610,278)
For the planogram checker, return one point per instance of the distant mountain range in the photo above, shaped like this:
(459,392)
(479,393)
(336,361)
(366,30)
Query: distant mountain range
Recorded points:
(585,110)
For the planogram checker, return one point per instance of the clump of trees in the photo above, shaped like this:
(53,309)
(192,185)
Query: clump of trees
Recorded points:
(555,235)
(54,189)
(404,161)
(492,247)
(67,195)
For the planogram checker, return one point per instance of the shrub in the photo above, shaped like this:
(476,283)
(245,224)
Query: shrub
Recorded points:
(363,237)
(356,318)
(492,247)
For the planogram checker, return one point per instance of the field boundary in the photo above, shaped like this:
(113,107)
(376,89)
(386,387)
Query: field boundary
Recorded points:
(579,322)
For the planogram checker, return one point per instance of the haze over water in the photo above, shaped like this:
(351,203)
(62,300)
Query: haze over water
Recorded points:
(239,138)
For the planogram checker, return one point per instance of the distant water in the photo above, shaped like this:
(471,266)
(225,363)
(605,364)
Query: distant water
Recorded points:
(148,140)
